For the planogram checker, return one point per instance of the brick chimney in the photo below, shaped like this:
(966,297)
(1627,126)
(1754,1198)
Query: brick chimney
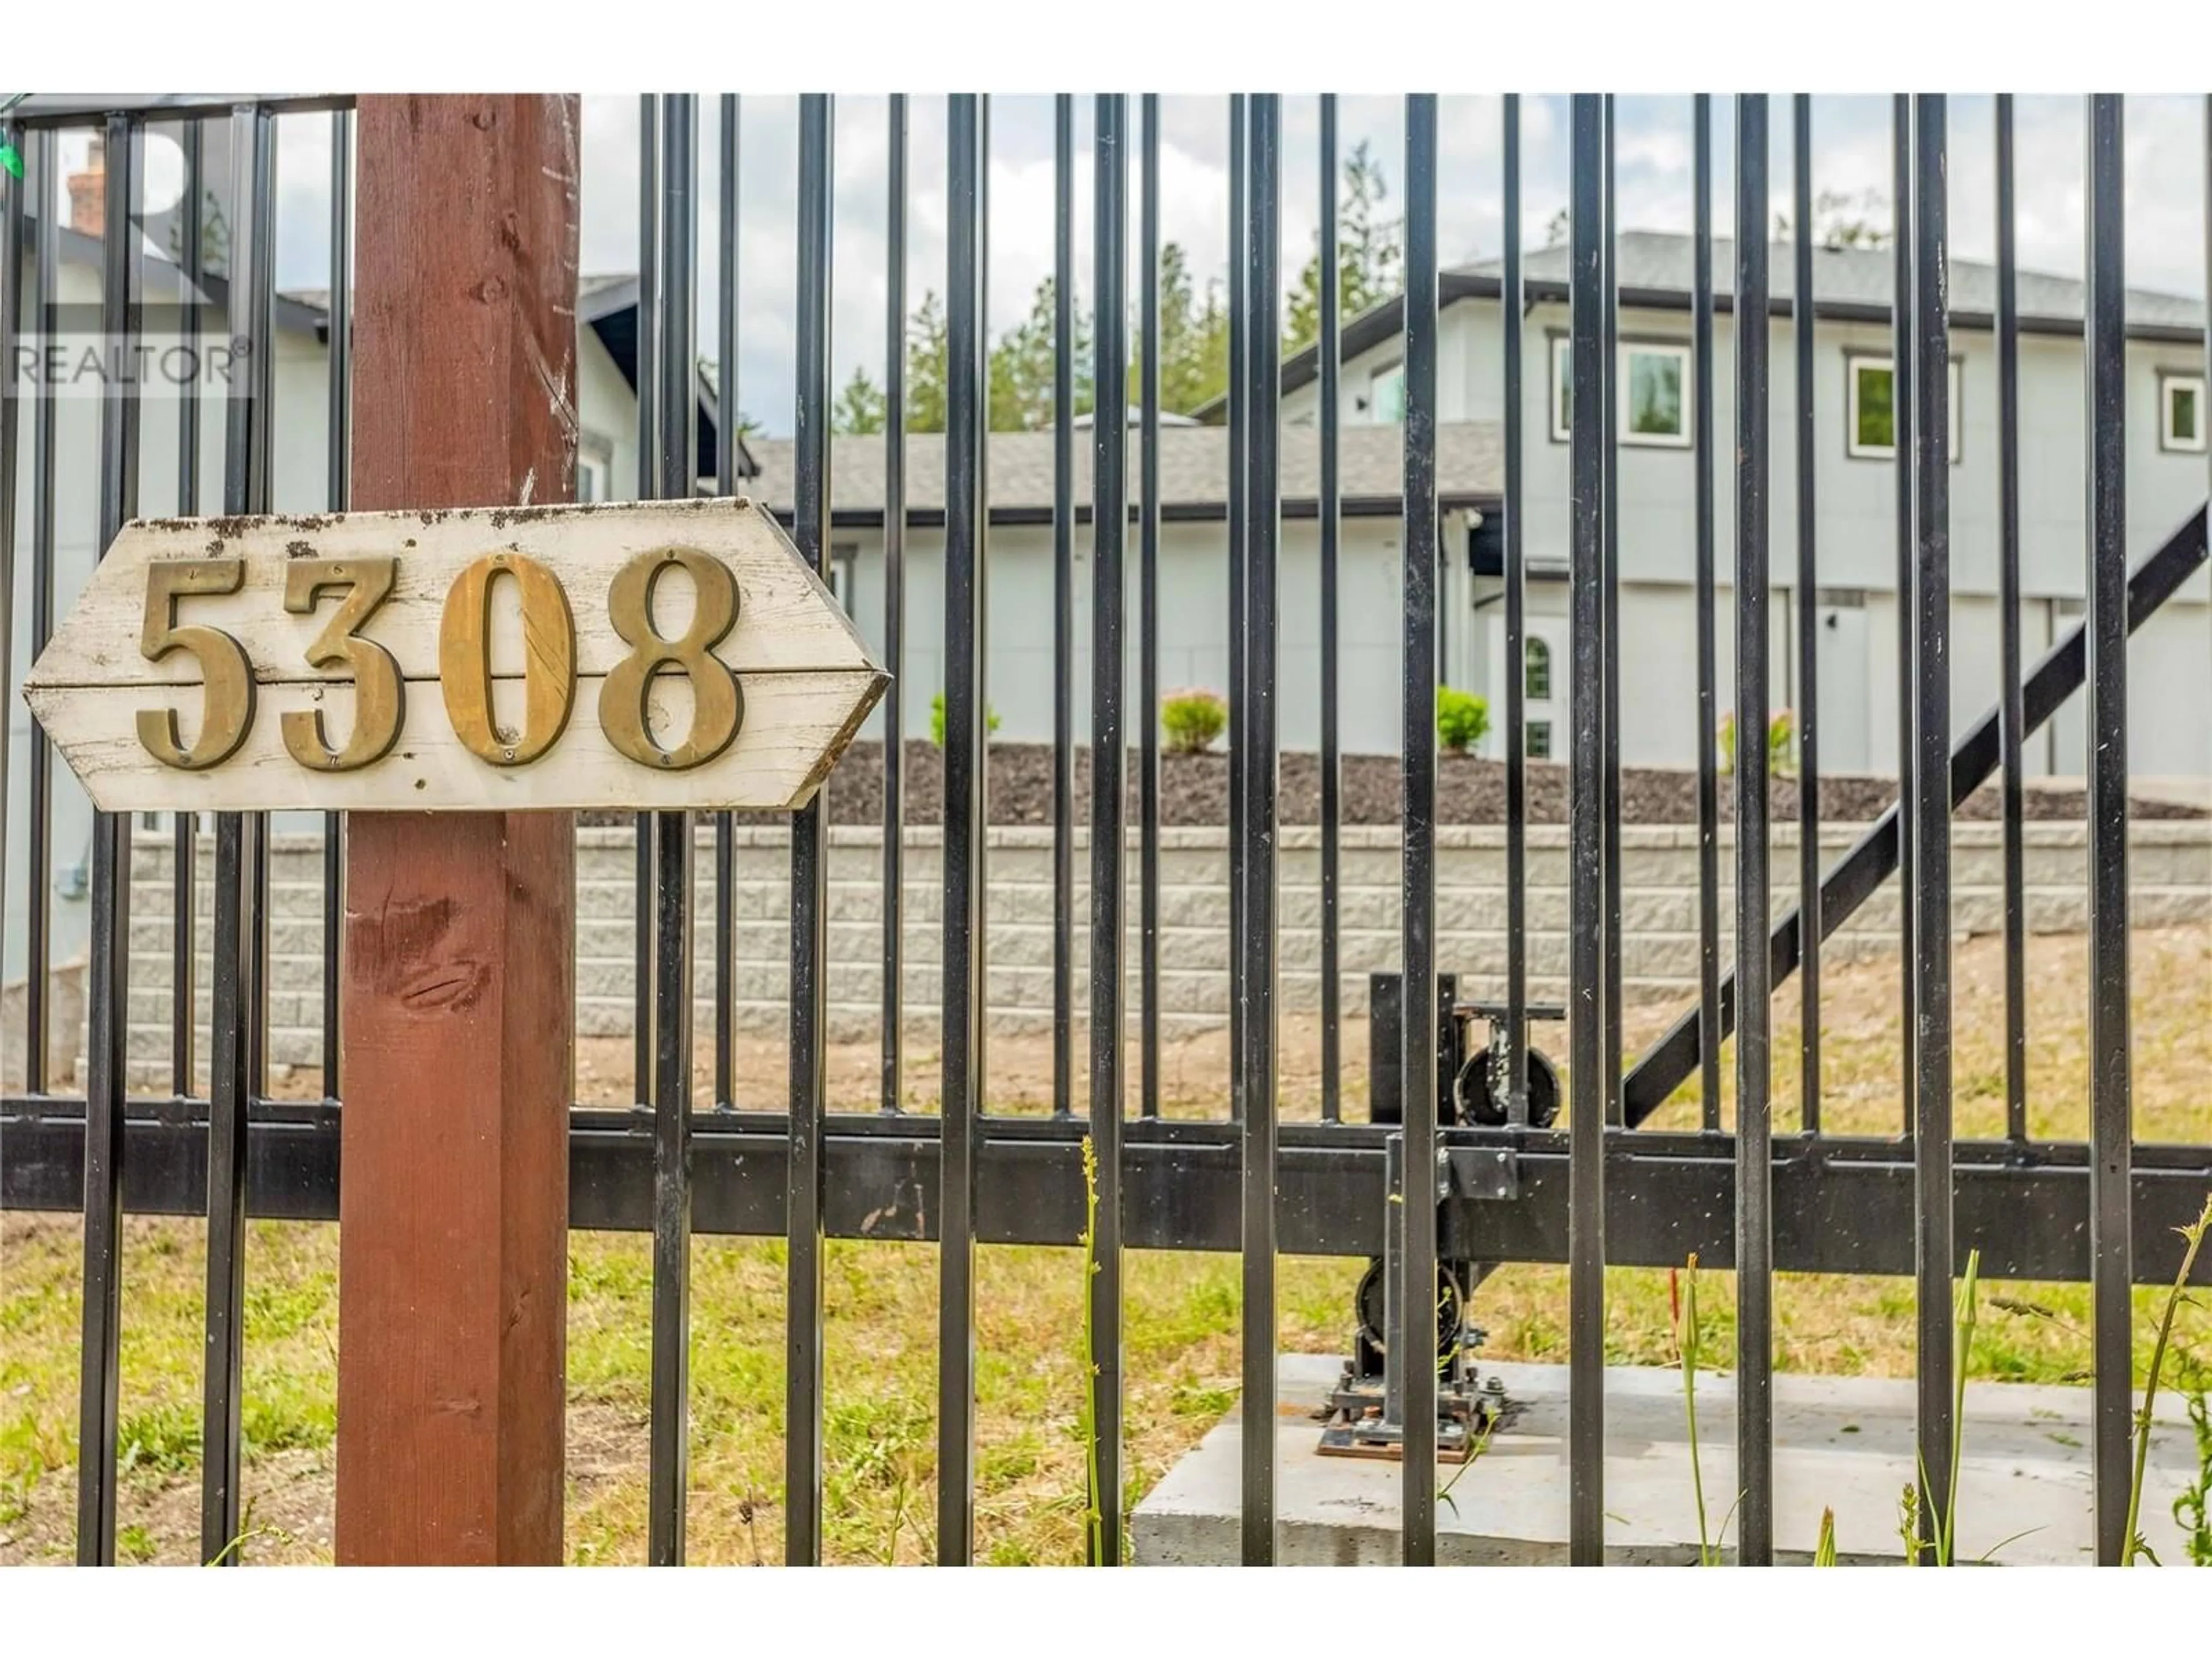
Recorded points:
(88,191)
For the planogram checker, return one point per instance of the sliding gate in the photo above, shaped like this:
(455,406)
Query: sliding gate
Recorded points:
(1774,1193)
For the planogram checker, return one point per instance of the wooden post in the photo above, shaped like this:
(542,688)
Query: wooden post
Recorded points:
(460,927)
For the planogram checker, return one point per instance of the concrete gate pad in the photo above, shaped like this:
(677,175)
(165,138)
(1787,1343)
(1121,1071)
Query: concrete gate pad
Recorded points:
(1840,1442)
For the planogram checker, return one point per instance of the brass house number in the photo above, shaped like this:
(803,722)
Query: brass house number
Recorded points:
(359,585)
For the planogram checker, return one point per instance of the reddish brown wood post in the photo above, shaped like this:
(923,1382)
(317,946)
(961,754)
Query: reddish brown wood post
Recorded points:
(460,929)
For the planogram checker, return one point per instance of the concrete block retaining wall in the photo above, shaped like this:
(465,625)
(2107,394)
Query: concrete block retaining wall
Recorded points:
(2170,877)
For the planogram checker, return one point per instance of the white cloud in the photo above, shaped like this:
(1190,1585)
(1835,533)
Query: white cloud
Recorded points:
(2165,207)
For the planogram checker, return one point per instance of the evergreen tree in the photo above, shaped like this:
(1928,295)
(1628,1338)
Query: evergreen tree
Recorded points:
(1022,368)
(1193,340)
(926,361)
(1369,256)
(859,410)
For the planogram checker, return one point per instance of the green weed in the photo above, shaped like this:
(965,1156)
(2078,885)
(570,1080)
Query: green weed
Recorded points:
(2193,1235)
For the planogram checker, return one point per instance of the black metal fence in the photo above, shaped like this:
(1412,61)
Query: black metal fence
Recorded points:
(1603,1189)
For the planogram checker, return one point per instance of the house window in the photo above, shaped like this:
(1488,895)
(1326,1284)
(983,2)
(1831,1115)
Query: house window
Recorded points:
(1386,395)
(1536,672)
(1654,385)
(2181,413)
(1870,422)
(1538,739)
(1653,378)
(1563,427)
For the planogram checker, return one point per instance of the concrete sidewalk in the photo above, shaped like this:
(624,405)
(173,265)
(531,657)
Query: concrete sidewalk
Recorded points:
(1841,1443)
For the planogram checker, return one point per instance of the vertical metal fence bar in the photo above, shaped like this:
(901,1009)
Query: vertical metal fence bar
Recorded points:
(108,972)
(1516,642)
(1929,895)
(236,962)
(1808,628)
(965,532)
(1901,418)
(727,448)
(648,348)
(1252,948)
(1239,398)
(1418,1053)
(1148,641)
(1704,461)
(644,907)
(37,920)
(894,608)
(2011,708)
(2111,1127)
(1754,1169)
(1109,520)
(258,467)
(259,462)
(1586,462)
(229,1090)
(1609,660)
(184,963)
(340,452)
(810,876)
(674,469)
(1063,597)
(11,312)
(1330,354)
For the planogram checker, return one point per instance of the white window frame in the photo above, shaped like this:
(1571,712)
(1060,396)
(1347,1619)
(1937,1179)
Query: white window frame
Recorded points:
(2167,382)
(1856,361)
(1375,379)
(1626,349)
(1630,350)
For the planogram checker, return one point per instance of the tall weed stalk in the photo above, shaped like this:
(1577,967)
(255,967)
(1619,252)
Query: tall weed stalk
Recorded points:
(2193,1237)
(1688,1348)
(1919,1502)
(1094,1517)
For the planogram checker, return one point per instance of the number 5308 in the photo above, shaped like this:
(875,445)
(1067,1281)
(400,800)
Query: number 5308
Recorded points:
(359,585)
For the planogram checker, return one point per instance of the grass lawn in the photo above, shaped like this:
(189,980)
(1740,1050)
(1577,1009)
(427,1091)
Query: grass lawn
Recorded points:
(1182,1317)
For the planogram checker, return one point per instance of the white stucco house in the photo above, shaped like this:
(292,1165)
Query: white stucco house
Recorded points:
(1854,485)
(2171,663)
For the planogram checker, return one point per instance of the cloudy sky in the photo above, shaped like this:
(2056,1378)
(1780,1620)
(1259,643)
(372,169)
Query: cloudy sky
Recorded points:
(2166,147)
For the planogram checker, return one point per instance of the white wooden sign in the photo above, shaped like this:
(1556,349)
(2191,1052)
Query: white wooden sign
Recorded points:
(661,654)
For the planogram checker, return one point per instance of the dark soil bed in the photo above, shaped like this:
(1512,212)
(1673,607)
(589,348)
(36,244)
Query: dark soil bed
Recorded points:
(1194,790)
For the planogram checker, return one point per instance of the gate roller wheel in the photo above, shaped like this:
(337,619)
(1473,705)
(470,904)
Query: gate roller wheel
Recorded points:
(1471,1093)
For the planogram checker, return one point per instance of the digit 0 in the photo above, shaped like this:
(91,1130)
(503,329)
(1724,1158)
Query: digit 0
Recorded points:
(549,660)
(718,702)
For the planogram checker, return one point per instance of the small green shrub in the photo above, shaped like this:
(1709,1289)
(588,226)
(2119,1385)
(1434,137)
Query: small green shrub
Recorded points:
(1193,720)
(937,719)
(1781,744)
(1462,719)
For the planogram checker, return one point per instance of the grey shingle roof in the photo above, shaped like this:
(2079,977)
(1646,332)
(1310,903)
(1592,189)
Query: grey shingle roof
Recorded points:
(1193,470)
(1660,262)
(1848,284)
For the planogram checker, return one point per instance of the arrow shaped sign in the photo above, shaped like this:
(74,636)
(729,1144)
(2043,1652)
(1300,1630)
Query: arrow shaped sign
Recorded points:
(659,654)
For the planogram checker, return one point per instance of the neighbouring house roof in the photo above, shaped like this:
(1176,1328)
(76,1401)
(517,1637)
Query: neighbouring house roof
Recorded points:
(1194,473)
(1849,285)
(608,303)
